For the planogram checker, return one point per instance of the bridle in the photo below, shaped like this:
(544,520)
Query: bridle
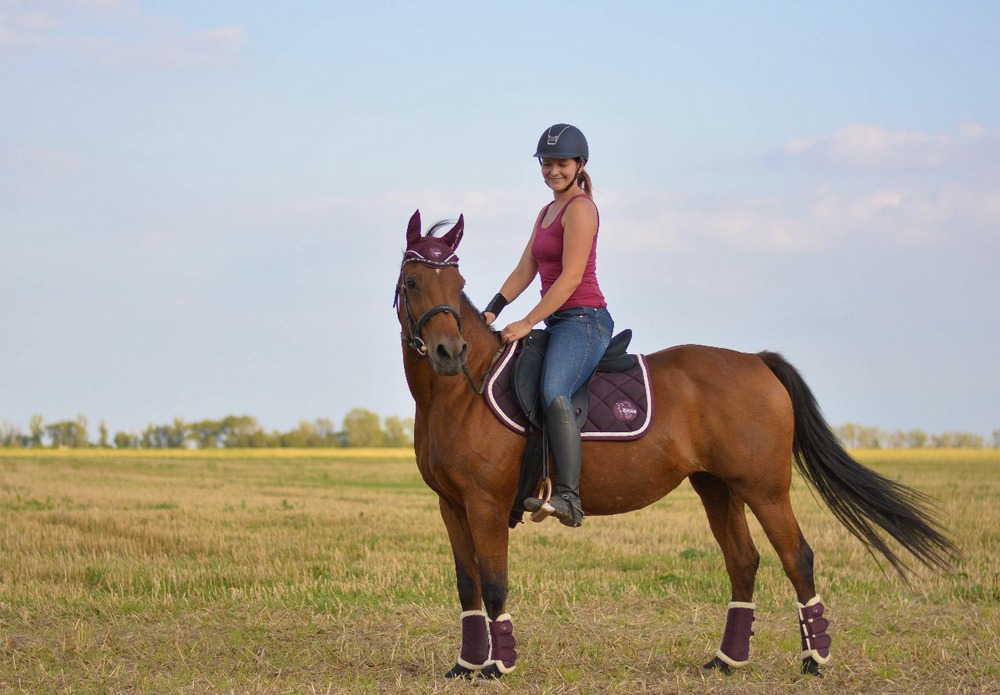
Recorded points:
(415,326)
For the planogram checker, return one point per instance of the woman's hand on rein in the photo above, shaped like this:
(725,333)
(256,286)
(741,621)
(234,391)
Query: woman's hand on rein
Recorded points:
(515,331)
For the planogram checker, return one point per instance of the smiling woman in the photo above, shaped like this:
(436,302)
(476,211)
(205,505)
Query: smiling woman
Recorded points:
(562,252)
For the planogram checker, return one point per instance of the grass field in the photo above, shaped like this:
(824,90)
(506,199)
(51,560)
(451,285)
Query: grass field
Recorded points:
(329,571)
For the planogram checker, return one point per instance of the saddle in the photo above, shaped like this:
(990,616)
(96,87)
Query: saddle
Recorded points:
(528,371)
(616,403)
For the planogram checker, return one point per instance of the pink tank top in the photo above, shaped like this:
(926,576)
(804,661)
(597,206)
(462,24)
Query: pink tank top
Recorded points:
(547,250)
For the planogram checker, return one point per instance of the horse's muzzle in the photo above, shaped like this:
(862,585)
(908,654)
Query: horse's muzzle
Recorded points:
(447,356)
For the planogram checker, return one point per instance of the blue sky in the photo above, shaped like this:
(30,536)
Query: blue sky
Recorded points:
(202,205)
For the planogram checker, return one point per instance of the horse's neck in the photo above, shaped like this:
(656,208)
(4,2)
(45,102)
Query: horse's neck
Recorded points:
(483,341)
(430,391)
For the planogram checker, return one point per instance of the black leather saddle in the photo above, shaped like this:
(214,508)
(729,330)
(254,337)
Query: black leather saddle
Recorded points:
(526,378)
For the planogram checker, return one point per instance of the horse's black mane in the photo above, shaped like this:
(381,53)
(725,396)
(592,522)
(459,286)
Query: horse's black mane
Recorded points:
(438,225)
(432,231)
(475,312)
(465,298)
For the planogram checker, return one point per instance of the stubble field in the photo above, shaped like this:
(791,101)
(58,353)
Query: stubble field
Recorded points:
(329,571)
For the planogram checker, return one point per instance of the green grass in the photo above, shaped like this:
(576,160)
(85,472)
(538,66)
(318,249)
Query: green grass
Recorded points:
(306,572)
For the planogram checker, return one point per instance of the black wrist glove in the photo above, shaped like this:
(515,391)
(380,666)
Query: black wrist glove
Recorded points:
(496,305)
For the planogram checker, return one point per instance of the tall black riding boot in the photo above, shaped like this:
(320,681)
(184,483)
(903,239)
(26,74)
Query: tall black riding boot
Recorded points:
(564,440)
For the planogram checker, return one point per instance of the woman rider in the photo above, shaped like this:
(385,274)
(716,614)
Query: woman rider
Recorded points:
(562,250)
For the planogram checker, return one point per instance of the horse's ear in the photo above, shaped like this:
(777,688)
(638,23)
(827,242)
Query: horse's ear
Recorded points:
(454,235)
(413,230)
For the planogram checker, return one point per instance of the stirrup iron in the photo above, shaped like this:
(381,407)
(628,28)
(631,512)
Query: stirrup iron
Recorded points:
(545,494)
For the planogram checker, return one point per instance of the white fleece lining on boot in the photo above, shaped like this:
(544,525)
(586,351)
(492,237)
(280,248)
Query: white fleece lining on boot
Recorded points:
(720,654)
(463,662)
(506,617)
(811,653)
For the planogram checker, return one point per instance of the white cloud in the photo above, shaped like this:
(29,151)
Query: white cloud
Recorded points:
(34,171)
(868,147)
(173,48)
(905,188)
(115,33)
(801,221)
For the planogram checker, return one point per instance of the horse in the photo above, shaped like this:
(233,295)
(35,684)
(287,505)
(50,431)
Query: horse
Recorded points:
(729,422)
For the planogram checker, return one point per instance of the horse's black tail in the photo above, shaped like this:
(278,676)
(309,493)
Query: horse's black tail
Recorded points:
(859,497)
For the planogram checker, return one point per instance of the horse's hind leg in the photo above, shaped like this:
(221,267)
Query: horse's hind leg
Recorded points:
(727,518)
(774,512)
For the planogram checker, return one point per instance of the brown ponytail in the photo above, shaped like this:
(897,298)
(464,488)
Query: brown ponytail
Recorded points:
(583,179)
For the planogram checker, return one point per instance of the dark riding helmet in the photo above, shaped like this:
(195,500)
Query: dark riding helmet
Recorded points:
(563,141)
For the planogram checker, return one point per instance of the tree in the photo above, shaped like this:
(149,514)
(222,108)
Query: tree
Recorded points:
(916,439)
(362,428)
(957,440)
(206,434)
(37,427)
(126,441)
(325,432)
(10,435)
(398,432)
(242,431)
(68,433)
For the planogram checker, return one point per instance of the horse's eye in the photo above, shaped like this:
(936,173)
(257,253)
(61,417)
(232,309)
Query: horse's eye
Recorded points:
(411,283)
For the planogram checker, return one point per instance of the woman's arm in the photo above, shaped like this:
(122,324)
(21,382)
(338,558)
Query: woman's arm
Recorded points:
(522,275)
(579,230)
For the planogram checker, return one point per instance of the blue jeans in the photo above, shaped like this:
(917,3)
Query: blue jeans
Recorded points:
(578,337)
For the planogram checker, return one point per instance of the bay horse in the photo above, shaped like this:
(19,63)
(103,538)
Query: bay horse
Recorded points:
(731,423)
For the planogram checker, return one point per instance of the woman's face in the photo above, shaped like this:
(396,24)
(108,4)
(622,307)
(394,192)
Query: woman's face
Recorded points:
(559,174)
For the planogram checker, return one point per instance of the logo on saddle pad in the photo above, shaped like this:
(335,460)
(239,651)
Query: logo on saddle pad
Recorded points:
(625,410)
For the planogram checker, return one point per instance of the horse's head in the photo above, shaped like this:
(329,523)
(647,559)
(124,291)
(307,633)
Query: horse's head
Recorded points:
(428,296)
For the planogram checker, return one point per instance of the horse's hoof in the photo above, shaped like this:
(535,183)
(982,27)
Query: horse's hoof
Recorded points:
(717,664)
(811,668)
(460,671)
(490,673)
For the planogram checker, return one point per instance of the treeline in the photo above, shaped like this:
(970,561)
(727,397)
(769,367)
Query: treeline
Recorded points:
(361,428)
(857,436)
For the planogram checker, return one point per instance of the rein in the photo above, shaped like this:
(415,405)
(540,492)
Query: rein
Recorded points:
(414,340)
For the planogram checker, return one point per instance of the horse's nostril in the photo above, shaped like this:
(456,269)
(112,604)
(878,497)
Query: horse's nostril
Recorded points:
(452,350)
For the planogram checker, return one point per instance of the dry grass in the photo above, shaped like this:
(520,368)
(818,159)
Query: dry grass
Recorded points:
(302,572)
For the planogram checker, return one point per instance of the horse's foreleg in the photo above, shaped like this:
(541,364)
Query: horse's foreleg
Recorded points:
(488,522)
(474,654)
(727,519)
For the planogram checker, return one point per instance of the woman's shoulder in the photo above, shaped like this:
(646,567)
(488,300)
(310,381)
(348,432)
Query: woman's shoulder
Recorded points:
(581,206)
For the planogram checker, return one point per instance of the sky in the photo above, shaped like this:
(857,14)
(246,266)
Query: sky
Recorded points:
(203,205)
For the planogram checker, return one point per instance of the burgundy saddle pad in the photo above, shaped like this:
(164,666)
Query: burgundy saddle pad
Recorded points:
(620,403)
